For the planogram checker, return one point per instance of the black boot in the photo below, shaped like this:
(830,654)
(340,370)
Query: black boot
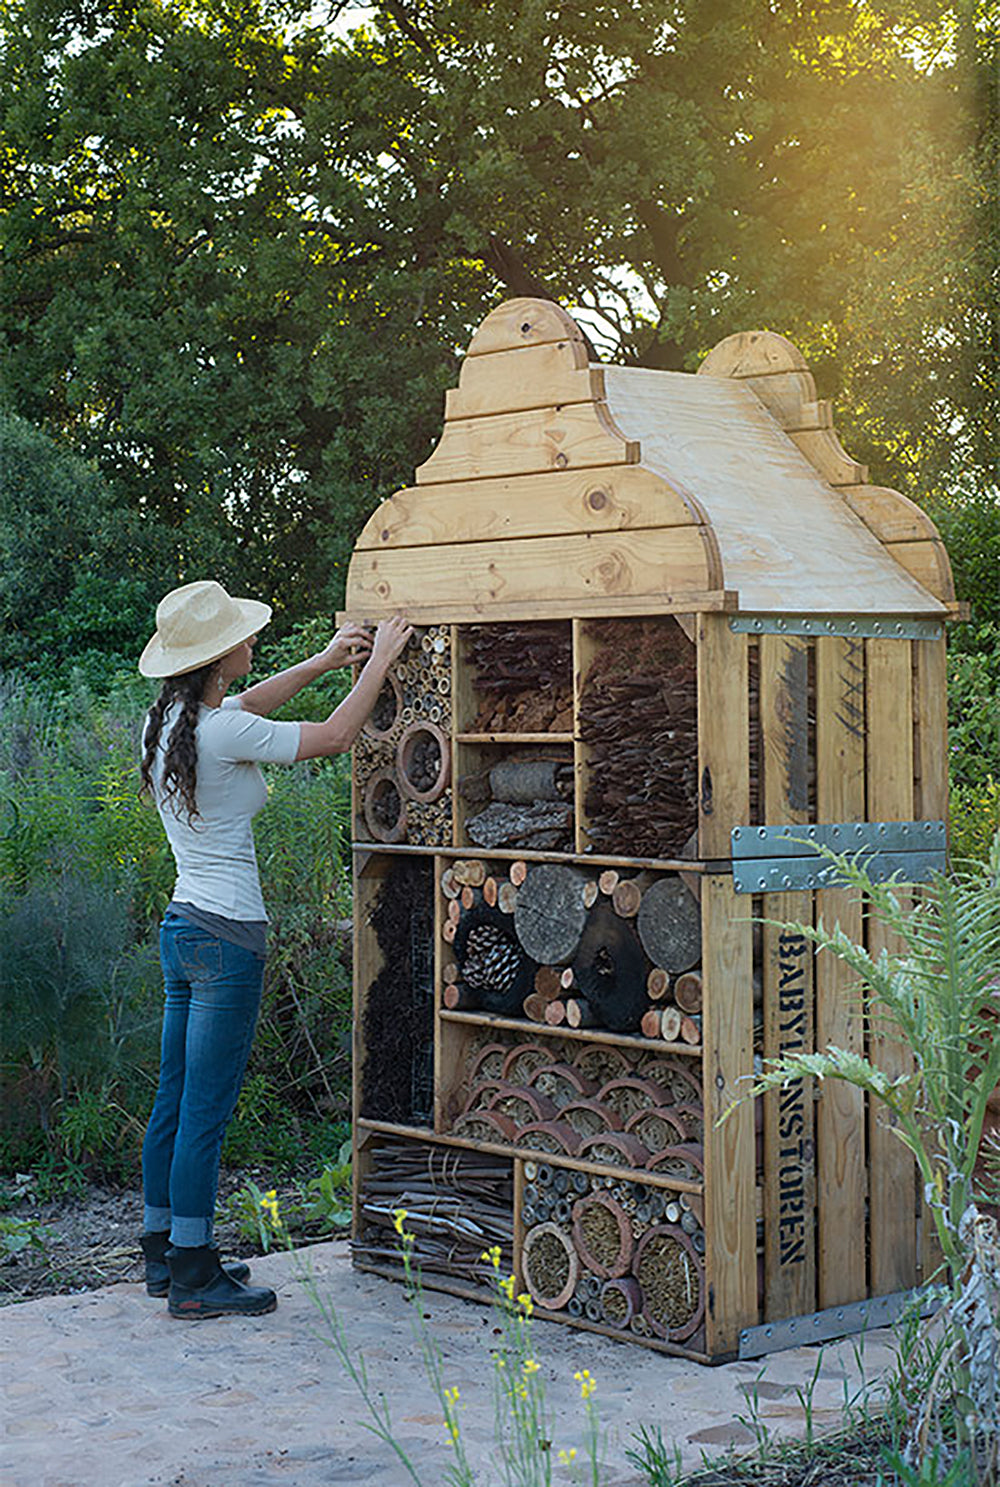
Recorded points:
(154,1248)
(199,1287)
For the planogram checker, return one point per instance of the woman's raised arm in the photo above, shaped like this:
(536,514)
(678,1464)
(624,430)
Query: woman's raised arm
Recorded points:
(337,734)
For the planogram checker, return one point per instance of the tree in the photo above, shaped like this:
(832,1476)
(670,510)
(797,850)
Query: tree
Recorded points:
(244,248)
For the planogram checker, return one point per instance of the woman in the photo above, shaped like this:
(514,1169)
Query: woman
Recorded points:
(200,755)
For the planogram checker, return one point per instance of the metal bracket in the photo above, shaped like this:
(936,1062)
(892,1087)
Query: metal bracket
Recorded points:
(822,1326)
(884,626)
(781,859)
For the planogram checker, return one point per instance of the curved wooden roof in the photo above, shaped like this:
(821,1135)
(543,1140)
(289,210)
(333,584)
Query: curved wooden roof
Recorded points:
(563,488)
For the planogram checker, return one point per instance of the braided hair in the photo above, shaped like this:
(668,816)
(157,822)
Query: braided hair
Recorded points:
(180,764)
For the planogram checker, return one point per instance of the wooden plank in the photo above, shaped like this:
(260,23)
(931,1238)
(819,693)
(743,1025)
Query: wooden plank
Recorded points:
(790,398)
(571,1034)
(930,681)
(789,1180)
(890,515)
(708,601)
(928,563)
(890,798)
(523,322)
(544,505)
(727,1032)
(723,735)
(545,376)
(519,1226)
(828,457)
(841,1171)
(576,437)
(753,353)
(585,649)
(539,572)
(511,854)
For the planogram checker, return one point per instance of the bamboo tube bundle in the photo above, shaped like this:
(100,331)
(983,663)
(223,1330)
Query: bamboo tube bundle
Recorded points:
(553,1136)
(630,1096)
(429,825)
(601,1063)
(523,674)
(561,1083)
(589,1117)
(487,1063)
(550,1266)
(614,1149)
(678,1083)
(691,1118)
(672,1279)
(621,1299)
(522,1060)
(486,1125)
(638,716)
(602,1235)
(523,1105)
(656,1129)
(686,1161)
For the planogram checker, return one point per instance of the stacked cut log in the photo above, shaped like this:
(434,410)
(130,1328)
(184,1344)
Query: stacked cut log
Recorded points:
(639,718)
(398,1017)
(417,690)
(597,949)
(458,1205)
(626,1255)
(523,675)
(526,803)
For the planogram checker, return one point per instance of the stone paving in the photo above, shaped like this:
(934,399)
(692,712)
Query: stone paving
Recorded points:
(103,1389)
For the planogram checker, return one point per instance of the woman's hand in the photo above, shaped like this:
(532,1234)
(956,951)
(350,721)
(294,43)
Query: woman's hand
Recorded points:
(390,640)
(352,643)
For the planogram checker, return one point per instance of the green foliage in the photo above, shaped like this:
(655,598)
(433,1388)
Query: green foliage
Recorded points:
(975,820)
(18,1235)
(75,587)
(85,873)
(242,246)
(316,1210)
(974,704)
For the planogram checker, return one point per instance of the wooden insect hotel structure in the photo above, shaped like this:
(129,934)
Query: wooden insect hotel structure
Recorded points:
(667,638)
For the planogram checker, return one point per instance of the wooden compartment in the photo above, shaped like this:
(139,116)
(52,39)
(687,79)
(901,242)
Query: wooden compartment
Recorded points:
(680,588)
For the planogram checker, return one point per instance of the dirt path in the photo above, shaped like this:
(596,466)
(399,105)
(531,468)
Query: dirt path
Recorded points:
(103,1389)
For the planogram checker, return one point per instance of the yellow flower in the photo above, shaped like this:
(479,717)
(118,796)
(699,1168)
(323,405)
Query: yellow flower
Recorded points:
(500,1362)
(530,1366)
(492,1256)
(567,1456)
(587,1384)
(507,1287)
(397,1219)
(526,1303)
(452,1395)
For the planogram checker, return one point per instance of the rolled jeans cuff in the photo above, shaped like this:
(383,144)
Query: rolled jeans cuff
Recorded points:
(190,1233)
(155,1220)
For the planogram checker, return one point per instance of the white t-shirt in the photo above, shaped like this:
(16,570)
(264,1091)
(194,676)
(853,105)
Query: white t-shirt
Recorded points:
(214,851)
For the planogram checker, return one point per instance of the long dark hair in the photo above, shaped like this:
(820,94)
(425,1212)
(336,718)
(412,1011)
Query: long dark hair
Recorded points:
(180,764)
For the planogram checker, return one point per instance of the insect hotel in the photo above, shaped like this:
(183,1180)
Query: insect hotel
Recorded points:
(668,638)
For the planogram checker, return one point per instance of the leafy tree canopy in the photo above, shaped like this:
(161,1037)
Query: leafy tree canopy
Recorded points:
(243,246)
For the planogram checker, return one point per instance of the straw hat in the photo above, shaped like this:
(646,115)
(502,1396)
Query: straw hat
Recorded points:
(199,623)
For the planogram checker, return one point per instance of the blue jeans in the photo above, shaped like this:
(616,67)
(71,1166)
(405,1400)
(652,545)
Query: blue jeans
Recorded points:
(213,991)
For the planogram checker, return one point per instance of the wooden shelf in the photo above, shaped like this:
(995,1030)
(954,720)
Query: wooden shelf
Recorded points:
(529,1154)
(581,1035)
(582,859)
(514,738)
